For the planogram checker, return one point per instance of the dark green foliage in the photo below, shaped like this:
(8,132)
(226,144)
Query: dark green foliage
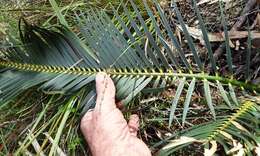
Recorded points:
(136,52)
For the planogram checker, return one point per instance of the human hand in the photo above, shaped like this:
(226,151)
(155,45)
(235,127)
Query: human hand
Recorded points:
(105,128)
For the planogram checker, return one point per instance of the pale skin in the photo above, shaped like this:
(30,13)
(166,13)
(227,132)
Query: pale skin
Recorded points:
(105,129)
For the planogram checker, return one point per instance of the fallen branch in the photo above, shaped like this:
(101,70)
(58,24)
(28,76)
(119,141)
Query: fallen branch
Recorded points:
(249,6)
(219,37)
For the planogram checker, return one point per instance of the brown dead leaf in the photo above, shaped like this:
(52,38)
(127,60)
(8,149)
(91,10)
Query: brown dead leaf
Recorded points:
(258,19)
(211,1)
(212,150)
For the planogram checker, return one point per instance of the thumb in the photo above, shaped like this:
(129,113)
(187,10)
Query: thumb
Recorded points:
(105,92)
(133,124)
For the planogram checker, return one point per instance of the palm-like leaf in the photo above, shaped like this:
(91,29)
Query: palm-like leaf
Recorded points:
(133,54)
(228,132)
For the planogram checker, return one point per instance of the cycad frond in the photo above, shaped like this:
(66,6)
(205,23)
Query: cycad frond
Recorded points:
(62,63)
(227,132)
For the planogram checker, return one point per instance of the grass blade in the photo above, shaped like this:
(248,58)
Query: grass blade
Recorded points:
(62,125)
(21,148)
(58,13)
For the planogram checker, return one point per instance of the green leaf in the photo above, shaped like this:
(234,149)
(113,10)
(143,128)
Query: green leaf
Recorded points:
(62,125)
(138,49)
(160,35)
(228,50)
(174,40)
(188,37)
(209,98)
(187,100)
(176,99)
(232,94)
(126,89)
(58,12)
(137,90)
(248,54)
(131,37)
(222,130)
(150,37)
(223,94)
(205,37)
